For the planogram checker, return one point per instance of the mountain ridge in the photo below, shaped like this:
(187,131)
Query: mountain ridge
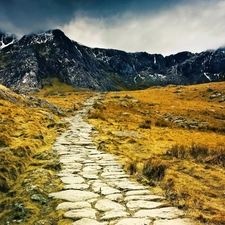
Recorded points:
(26,63)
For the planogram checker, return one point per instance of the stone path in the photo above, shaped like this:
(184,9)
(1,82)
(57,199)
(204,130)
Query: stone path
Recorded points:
(97,191)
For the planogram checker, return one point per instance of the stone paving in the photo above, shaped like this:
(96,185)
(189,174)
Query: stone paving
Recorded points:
(97,191)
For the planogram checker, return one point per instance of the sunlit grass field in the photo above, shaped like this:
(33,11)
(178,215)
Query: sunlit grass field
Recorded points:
(172,137)
(28,165)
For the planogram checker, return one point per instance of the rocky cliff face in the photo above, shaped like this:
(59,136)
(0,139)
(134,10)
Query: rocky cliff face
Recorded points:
(26,64)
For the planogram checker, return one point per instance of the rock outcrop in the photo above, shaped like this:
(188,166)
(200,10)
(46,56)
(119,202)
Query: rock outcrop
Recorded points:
(27,64)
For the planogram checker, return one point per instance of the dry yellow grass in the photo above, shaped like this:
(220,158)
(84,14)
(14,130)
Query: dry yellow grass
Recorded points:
(27,162)
(158,132)
(181,142)
(25,132)
(64,96)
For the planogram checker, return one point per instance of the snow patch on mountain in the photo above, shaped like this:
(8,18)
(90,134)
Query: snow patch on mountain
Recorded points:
(6,40)
(205,74)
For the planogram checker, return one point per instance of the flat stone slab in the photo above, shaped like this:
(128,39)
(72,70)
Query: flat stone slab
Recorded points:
(163,213)
(114,197)
(92,168)
(108,190)
(111,215)
(128,185)
(76,187)
(86,221)
(108,205)
(134,221)
(174,222)
(141,204)
(113,169)
(112,174)
(138,192)
(144,197)
(73,205)
(72,180)
(80,213)
(74,195)
(97,185)
(90,176)
(118,176)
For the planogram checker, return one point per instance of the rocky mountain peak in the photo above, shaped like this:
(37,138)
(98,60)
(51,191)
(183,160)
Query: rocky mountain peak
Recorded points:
(43,38)
(6,39)
(27,63)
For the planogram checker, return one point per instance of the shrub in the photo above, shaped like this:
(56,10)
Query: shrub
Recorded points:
(154,169)
(145,126)
(177,151)
(199,153)
(162,123)
(4,140)
(4,187)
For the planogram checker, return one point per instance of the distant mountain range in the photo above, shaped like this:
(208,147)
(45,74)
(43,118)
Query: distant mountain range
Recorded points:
(27,64)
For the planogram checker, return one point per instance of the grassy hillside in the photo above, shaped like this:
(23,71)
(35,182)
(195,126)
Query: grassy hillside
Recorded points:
(28,128)
(172,137)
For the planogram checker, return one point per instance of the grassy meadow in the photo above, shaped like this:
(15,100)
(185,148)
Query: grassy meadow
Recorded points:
(28,128)
(170,137)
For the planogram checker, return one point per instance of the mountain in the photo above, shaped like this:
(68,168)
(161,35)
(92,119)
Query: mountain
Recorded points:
(27,64)
(6,39)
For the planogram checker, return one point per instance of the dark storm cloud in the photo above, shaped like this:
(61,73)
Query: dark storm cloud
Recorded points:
(23,16)
(28,15)
(188,26)
(155,26)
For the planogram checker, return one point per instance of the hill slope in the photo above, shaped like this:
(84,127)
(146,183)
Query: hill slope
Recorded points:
(173,137)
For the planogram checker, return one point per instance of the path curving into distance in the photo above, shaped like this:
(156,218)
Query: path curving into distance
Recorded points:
(97,191)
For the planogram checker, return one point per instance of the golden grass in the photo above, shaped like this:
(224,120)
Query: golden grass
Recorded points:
(27,162)
(64,96)
(174,136)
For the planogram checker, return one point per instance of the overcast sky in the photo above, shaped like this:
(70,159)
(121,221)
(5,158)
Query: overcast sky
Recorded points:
(154,26)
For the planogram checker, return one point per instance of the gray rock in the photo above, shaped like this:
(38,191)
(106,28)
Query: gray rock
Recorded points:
(97,185)
(108,205)
(128,185)
(111,215)
(90,176)
(114,197)
(114,175)
(72,180)
(128,96)
(134,221)
(108,190)
(140,204)
(38,198)
(74,195)
(73,205)
(144,197)
(80,213)
(163,213)
(92,168)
